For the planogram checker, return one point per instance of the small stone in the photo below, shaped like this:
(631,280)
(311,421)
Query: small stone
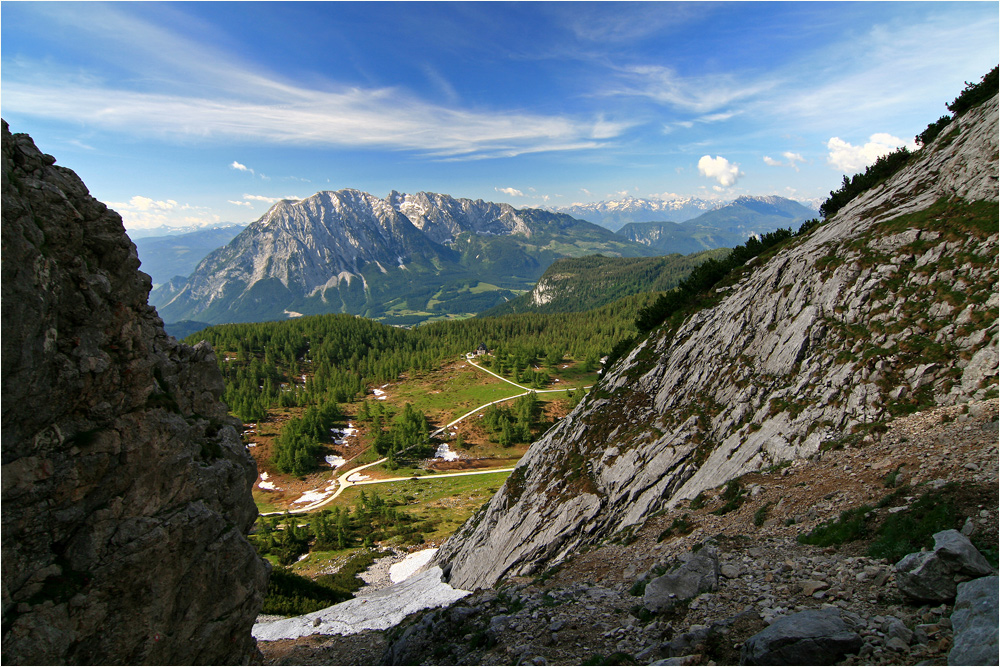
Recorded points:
(811,586)
(897,644)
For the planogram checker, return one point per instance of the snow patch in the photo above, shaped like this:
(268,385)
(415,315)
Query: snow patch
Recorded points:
(444,452)
(266,485)
(356,477)
(340,435)
(378,610)
(315,495)
(335,461)
(407,567)
(292,313)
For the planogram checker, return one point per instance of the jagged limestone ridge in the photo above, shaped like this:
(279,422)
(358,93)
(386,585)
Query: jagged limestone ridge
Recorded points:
(889,306)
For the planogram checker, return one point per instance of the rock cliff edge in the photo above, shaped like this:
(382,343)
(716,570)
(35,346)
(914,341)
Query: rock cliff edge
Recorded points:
(126,489)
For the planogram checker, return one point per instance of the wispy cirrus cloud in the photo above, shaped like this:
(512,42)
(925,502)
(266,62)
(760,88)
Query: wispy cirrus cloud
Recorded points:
(703,94)
(201,94)
(384,118)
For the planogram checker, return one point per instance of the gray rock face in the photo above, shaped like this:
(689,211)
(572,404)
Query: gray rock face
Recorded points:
(975,623)
(302,248)
(443,218)
(811,637)
(126,489)
(698,573)
(935,575)
(780,365)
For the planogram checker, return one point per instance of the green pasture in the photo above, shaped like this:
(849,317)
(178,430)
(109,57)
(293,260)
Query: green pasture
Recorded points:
(442,504)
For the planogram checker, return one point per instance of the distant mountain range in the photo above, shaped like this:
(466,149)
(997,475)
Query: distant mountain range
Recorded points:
(615,214)
(402,259)
(176,254)
(171,230)
(723,227)
(408,258)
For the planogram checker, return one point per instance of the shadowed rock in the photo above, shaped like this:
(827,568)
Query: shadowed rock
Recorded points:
(126,489)
(811,637)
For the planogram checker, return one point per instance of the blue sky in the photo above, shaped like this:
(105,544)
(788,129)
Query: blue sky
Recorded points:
(190,113)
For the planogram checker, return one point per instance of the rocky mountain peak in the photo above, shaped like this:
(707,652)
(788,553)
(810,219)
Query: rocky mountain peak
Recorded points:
(126,488)
(888,307)
(350,251)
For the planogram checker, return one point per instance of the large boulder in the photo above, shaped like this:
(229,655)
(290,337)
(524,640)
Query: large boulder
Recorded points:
(975,623)
(126,489)
(934,575)
(698,573)
(810,637)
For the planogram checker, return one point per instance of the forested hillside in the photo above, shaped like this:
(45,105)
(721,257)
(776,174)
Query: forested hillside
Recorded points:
(343,354)
(584,283)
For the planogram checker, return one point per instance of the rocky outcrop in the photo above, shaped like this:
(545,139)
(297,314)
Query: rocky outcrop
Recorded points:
(934,575)
(443,218)
(887,308)
(126,489)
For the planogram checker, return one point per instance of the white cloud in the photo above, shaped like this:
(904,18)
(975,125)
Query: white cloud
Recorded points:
(720,169)
(851,159)
(141,212)
(702,94)
(235,101)
(268,200)
(792,160)
(138,203)
(240,203)
(510,192)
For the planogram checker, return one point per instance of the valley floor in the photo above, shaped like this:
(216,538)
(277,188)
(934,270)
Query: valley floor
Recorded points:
(583,612)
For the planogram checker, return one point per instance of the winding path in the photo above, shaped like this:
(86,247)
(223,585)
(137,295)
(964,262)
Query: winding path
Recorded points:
(343,481)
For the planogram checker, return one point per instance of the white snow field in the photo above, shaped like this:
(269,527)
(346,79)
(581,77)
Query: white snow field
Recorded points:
(405,568)
(377,610)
